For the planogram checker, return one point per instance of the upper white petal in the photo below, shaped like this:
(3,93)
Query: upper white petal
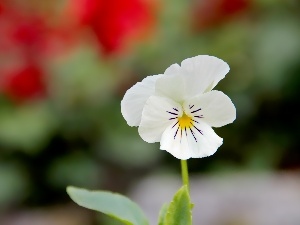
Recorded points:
(216,108)
(184,145)
(195,76)
(202,73)
(135,98)
(172,70)
(156,117)
(171,86)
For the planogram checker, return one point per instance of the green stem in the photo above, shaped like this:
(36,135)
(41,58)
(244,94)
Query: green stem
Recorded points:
(185,173)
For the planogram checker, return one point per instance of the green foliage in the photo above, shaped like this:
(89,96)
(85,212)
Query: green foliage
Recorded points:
(178,212)
(27,127)
(180,209)
(162,214)
(77,169)
(13,184)
(112,204)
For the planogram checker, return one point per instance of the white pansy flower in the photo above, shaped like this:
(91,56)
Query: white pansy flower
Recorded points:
(179,108)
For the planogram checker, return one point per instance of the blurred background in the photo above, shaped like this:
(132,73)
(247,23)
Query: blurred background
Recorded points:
(65,66)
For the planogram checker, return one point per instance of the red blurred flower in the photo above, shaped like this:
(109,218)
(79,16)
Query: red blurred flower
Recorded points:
(214,12)
(113,22)
(1,9)
(24,83)
(27,39)
(30,33)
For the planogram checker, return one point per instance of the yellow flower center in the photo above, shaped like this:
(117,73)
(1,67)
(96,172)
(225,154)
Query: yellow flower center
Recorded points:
(185,121)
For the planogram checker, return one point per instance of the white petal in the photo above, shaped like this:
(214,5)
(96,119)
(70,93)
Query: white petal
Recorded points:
(202,73)
(172,70)
(135,98)
(157,116)
(216,108)
(171,86)
(207,143)
(176,145)
(186,145)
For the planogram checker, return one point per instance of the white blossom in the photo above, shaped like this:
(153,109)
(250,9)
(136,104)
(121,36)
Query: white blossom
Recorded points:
(179,108)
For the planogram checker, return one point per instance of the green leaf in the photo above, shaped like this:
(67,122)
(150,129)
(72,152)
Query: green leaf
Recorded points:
(162,214)
(111,204)
(180,209)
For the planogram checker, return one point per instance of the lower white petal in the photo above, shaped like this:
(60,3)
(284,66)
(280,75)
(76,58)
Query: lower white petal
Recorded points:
(158,114)
(135,98)
(196,142)
(175,144)
(207,143)
(217,109)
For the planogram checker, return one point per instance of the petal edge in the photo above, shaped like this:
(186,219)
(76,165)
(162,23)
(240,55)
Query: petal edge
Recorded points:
(135,98)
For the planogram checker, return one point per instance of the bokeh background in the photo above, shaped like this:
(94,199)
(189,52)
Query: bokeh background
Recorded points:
(65,66)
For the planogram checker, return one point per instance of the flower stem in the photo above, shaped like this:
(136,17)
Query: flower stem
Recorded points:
(185,173)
